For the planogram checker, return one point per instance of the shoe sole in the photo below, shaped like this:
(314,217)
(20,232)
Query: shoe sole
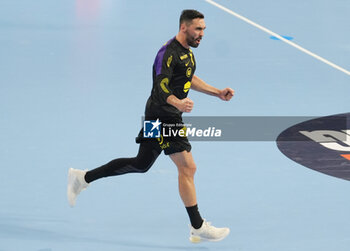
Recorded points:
(198,239)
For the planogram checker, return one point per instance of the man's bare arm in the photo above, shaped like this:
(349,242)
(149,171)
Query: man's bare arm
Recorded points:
(201,86)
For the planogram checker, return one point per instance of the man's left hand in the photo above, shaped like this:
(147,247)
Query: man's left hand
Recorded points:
(226,94)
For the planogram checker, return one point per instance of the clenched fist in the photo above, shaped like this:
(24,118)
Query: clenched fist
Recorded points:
(185,105)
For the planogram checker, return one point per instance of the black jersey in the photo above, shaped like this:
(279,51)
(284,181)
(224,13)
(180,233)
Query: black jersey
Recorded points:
(173,70)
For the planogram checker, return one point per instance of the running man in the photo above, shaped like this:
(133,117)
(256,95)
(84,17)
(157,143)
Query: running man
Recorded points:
(173,76)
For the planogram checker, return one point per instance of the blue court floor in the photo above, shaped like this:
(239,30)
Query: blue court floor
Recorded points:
(74,79)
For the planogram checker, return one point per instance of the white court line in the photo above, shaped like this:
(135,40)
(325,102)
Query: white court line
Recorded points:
(279,37)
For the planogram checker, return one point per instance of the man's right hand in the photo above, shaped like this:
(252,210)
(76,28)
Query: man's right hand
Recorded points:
(183,105)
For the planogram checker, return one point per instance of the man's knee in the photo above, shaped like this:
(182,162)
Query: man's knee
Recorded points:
(187,170)
(145,158)
(143,166)
(144,162)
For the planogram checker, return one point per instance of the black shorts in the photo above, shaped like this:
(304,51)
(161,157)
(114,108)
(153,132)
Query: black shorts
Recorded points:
(170,145)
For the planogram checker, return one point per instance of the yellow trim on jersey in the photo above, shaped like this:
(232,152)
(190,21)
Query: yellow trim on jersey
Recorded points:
(184,57)
(187,86)
(169,61)
(163,84)
(191,55)
(188,72)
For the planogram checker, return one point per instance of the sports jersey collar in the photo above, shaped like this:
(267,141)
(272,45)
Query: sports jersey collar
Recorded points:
(187,50)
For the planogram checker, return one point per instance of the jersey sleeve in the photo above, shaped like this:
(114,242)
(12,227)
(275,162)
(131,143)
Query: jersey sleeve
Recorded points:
(164,68)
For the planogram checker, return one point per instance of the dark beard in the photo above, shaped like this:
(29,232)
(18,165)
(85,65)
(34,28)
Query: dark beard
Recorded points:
(192,42)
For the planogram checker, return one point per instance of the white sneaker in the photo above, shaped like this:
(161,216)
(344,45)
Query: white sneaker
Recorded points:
(207,232)
(76,184)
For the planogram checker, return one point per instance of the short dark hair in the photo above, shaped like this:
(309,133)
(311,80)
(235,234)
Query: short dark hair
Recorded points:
(188,15)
